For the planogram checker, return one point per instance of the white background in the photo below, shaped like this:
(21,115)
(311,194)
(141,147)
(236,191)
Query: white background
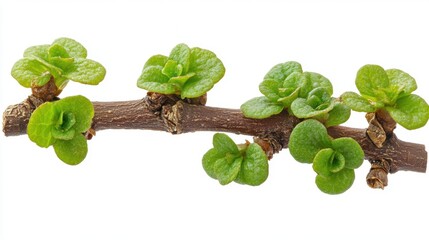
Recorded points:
(137,184)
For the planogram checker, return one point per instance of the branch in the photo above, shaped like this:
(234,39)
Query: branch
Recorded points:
(168,113)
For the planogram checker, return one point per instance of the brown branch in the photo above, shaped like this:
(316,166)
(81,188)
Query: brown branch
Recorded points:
(168,113)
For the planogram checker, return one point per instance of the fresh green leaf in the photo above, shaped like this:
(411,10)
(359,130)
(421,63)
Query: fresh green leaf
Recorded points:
(307,139)
(209,160)
(63,134)
(164,88)
(260,107)
(270,88)
(196,87)
(281,71)
(181,80)
(224,144)
(29,72)
(40,51)
(316,80)
(338,115)
(86,71)
(357,102)
(254,168)
(81,108)
(172,69)
(41,123)
(74,48)
(351,150)
(226,170)
(402,81)
(371,78)
(72,151)
(56,50)
(301,109)
(156,60)
(411,112)
(327,162)
(181,54)
(206,65)
(336,183)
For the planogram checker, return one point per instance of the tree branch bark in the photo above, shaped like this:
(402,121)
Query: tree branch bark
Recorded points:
(167,113)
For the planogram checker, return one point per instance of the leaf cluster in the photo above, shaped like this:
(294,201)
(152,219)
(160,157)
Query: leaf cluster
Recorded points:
(227,162)
(63,60)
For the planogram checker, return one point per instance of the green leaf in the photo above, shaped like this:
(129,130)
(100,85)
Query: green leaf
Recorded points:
(196,87)
(371,80)
(351,150)
(301,109)
(281,71)
(63,134)
(336,183)
(40,51)
(316,80)
(181,80)
(164,88)
(411,112)
(152,74)
(74,48)
(328,162)
(270,88)
(209,160)
(357,102)
(181,53)
(156,60)
(206,65)
(172,69)
(56,50)
(81,108)
(254,168)
(338,115)
(402,81)
(307,139)
(260,107)
(41,123)
(224,144)
(226,170)
(86,71)
(30,72)
(72,151)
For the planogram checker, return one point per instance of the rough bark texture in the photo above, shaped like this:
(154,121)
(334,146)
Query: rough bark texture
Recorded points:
(168,113)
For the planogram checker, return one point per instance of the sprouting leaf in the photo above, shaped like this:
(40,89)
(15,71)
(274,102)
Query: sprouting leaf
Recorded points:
(156,60)
(61,124)
(316,80)
(86,71)
(411,111)
(29,72)
(357,102)
(401,81)
(336,183)
(209,160)
(39,51)
(371,78)
(328,162)
(224,144)
(260,107)
(72,151)
(281,71)
(351,150)
(181,53)
(226,170)
(254,168)
(338,115)
(307,139)
(301,109)
(74,48)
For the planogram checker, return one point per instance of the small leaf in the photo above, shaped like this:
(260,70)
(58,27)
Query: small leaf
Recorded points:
(74,48)
(270,88)
(338,115)
(224,144)
(196,87)
(81,108)
(351,150)
(56,50)
(63,134)
(156,60)
(307,139)
(181,80)
(164,88)
(40,51)
(260,107)
(301,109)
(357,102)
(209,160)
(172,69)
(206,65)
(371,78)
(401,80)
(281,71)
(72,151)
(86,71)
(226,171)
(152,74)
(30,71)
(181,53)
(411,112)
(254,168)
(322,161)
(336,183)
(316,80)
(41,123)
